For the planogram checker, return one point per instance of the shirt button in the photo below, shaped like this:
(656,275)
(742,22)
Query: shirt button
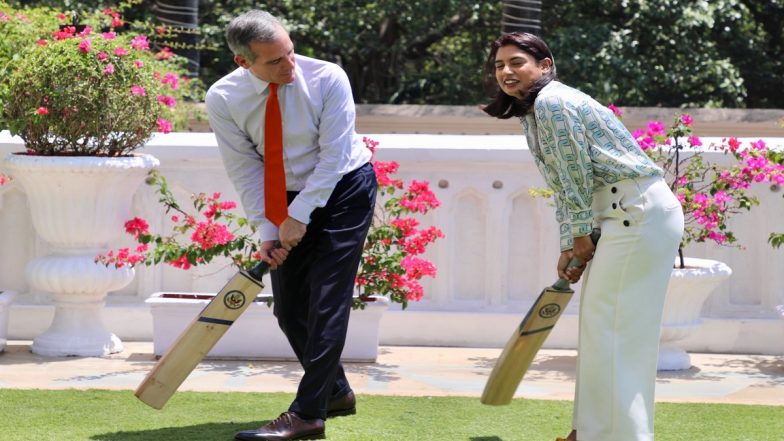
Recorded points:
(615,205)
(625,223)
(614,190)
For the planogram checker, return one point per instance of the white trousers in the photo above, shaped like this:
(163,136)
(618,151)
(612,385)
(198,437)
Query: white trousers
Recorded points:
(621,309)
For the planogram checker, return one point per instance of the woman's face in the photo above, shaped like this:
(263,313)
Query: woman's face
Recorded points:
(516,70)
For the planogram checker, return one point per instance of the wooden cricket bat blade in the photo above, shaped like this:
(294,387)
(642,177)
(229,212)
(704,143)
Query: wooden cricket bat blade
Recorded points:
(525,342)
(196,341)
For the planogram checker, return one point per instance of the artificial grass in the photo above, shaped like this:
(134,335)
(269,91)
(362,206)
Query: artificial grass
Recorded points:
(118,416)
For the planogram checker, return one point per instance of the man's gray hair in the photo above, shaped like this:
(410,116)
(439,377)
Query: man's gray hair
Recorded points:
(251,26)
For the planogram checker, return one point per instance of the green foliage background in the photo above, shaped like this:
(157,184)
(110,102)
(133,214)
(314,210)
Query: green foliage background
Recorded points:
(717,53)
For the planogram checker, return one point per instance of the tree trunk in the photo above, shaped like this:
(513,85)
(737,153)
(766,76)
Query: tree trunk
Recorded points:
(522,16)
(183,17)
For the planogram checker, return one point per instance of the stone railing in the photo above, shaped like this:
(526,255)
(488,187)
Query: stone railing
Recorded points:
(499,252)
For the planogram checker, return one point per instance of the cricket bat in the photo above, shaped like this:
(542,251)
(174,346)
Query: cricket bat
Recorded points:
(200,336)
(527,339)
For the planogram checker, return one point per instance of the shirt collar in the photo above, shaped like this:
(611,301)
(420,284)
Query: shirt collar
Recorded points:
(260,85)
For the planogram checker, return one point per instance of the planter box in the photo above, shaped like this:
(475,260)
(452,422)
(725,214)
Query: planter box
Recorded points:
(256,335)
(6,297)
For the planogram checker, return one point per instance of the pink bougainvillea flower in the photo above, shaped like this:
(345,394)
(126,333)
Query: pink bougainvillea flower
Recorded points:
(171,79)
(140,43)
(181,262)
(695,141)
(65,33)
(656,128)
(109,69)
(383,170)
(734,144)
(417,268)
(686,119)
(138,90)
(121,51)
(42,43)
(210,234)
(85,45)
(406,225)
(109,35)
(164,54)
(164,125)
(62,17)
(137,226)
(42,111)
(102,56)
(167,100)
(138,63)
(419,198)
(615,110)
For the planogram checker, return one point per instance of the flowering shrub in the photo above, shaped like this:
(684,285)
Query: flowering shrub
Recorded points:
(390,263)
(194,240)
(709,193)
(78,91)
(389,266)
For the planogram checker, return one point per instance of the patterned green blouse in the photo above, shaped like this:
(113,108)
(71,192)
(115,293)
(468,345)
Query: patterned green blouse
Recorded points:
(580,147)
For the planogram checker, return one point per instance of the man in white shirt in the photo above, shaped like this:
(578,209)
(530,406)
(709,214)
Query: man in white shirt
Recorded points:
(331,189)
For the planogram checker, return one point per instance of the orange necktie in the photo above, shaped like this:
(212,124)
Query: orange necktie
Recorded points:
(275,203)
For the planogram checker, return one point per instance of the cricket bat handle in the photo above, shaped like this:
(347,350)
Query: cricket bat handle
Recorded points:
(258,270)
(563,284)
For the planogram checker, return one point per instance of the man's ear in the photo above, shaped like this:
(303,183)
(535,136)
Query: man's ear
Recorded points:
(241,61)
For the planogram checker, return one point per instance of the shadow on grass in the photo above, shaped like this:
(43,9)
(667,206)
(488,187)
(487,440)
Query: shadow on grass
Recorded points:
(485,438)
(199,432)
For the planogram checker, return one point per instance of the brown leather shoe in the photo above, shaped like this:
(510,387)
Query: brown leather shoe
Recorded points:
(288,426)
(345,405)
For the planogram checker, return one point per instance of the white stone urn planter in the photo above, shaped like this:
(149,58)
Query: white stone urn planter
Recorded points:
(6,297)
(78,205)
(256,335)
(688,289)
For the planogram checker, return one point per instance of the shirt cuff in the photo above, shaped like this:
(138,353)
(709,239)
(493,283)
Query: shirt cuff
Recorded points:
(300,210)
(268,231)
(582,222)
(567,243)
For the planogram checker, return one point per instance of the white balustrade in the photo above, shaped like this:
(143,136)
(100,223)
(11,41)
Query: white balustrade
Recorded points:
(500,249)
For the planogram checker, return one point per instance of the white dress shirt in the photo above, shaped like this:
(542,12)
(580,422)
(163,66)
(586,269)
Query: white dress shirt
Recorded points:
(320,144)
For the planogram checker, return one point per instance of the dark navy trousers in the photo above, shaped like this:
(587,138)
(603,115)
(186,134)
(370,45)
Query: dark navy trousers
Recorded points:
(313,289)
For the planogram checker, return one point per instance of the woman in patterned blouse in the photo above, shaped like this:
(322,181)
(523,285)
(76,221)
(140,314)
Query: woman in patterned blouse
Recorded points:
(600,178)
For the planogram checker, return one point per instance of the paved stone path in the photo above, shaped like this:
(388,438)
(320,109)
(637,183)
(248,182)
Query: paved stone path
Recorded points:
(413,371)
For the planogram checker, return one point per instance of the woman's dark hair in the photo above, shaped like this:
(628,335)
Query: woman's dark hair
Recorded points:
(505,106)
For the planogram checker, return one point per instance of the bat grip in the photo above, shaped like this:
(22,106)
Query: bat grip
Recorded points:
(563,284)
(258,270)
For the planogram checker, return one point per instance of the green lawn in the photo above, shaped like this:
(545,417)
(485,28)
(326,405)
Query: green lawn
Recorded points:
(119,416)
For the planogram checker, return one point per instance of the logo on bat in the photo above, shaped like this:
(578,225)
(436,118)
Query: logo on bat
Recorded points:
(234,299)
(549,310)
